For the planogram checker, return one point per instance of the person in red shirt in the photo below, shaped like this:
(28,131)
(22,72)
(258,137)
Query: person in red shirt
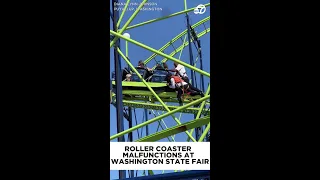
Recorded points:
(177,83)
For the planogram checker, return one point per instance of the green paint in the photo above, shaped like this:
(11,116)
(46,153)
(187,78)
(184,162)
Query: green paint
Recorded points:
(175,130)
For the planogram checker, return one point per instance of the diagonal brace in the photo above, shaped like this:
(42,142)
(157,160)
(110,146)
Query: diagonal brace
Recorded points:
(160,53)
(128,22)
(159,117)
(201,108)
(176,129)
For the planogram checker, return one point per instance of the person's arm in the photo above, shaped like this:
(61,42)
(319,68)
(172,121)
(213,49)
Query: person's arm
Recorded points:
(178,71)
(172,84)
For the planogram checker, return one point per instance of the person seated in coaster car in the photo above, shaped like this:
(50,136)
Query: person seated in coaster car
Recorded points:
(124,73)
(145,72)
(128,77)
(159,74)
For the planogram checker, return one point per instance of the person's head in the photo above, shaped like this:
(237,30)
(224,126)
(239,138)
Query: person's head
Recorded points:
(165,66)
(168,77)
(175,64)
(128,77)
(140,63)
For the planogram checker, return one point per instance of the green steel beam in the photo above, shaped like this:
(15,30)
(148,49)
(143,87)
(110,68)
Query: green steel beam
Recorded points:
(205,132)
(158,118)
(164,123)
(203,103)
(160,94)
(162,18)
(165,96)
(184,41)
(176,38)
(122,14)
(204,32)
(164,100)
(160,53)
(127,49)
(185,4)
(175,130)
(183,46)
(162,127)
(201,109)
(158,107)
(154,93)
(140,84)
(128,22)
(148,93)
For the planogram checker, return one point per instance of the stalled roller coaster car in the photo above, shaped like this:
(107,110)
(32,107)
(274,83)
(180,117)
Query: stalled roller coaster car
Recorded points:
(156,79)
(158,75)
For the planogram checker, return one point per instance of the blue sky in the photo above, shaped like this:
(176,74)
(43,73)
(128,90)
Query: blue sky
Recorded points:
(156,35)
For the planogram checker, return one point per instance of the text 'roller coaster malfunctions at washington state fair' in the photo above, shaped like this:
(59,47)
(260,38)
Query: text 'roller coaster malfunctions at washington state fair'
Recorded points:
(158,148)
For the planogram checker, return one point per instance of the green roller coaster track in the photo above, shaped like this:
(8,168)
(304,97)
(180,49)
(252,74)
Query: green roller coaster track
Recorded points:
(150,98)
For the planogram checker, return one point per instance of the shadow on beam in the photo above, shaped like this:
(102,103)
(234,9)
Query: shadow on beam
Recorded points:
(186,175)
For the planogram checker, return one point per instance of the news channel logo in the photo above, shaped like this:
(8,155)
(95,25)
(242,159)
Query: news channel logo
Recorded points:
(200,9)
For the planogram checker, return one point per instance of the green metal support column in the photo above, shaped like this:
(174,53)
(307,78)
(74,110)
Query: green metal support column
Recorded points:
(120,125)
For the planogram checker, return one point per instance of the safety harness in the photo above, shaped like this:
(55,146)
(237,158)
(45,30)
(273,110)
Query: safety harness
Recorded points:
(185,93)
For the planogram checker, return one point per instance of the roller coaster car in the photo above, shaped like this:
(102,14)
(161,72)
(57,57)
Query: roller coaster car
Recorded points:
(124,72)
(135,89)
(143,72)
(159,75)
(155,79)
